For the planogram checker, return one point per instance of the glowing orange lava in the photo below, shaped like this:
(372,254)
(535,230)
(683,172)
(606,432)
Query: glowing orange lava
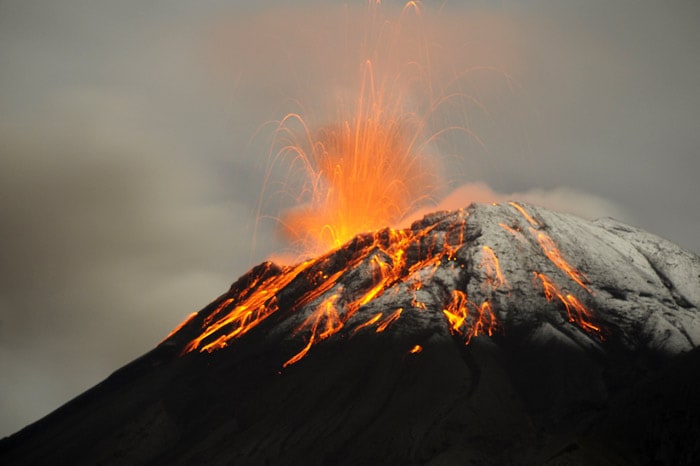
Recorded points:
(323,322)
(371,165)
(482,320)
(399,262)
(254,308)
(576,312)
(554,254)
(361,174)
(386,256)
(524,213)
(371,321)
(456,311)
(392,318)
(494,276)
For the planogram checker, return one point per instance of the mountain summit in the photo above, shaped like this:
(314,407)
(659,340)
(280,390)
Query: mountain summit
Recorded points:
(495,334)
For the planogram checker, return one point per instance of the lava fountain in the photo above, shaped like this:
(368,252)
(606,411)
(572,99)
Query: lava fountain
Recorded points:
(373,164)
(360,174)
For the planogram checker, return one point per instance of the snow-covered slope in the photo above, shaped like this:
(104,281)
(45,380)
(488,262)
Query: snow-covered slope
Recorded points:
(499,268)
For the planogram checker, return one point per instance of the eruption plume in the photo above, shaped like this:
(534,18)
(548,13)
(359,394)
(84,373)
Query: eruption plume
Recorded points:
(373,164)
(360,174)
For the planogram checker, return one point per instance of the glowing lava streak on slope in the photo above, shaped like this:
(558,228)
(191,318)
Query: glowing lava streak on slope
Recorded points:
(326,312)
(371,283)
(253,308)
(553,254)
(575,310)
(494,275)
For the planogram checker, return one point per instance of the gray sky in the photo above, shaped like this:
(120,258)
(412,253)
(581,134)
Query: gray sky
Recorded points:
(133,146)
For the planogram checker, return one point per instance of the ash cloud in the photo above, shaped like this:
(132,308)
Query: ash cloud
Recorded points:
(133,146)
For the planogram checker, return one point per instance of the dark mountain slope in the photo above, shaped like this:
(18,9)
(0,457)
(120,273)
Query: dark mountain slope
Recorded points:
(493,335)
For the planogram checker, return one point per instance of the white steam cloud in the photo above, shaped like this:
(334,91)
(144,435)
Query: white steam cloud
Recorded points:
(561,199)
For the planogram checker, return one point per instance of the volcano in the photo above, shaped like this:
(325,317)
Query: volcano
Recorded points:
(495,334)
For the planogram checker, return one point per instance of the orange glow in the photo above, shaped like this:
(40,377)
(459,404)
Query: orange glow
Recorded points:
(368,164)
(418,304)
(371,321)
(329,305)
(582,315)
(482,320)
(363,174)
(552,252)
(453,246)
(524,213)
(456,311)
(494,276)
(510,230)
(326,313)
(297,357)
(392,318)
(386,255)
(367,171)
(416,349)
(256,307)
(485,323)
(576,312)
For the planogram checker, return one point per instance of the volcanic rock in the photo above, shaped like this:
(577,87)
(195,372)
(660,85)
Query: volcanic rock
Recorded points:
(496,334)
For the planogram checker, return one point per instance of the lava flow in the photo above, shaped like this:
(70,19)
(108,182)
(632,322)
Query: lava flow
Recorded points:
(374,282)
